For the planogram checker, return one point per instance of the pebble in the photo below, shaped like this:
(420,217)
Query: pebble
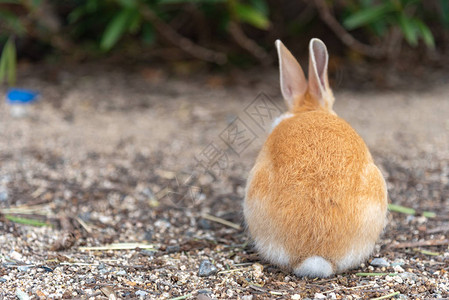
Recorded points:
(148,235)
(91,280)
(3,195)
(204,297)
(173,249)
(204,224)
(149,253)
(15,255)
(23,268)
(319,296)
(379,262)
(408,275)
(121,273)
(296,297)
(140,293)
(206,268)
(3,279)
(398,262)
(21,294)
(398,269)
(102,268)
(258,270)
(247,297)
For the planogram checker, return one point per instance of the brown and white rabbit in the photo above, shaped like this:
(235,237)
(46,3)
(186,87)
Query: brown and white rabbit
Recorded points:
(315,201)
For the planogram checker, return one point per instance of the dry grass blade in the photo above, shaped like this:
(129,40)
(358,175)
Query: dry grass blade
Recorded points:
(118,246)
(375,274)
(349,288)
(233,270)
(36,210)
(277,293)
(426,252)
(108,292)
(181,297)
(444,228)
(84,225)
(221,221)
(78,264)
(387,296)
(444,242)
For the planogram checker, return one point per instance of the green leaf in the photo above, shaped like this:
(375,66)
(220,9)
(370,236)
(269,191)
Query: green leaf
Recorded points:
(11,61)
(409,29)
(190,1)
(148,34)
(93,5)
(8,63)
(261,6)
(251,16)
(36,3)
(445,12)
(115,29)
(409,211)
(3,66)
(25,221)
(135,21)
(367,16)
(13,21)
(127,3)
(76,14)
(425,33)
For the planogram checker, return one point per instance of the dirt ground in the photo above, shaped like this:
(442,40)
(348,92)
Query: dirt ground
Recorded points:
(108,157)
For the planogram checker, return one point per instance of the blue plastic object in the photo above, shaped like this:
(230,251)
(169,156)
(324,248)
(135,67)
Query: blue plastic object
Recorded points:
(21,96)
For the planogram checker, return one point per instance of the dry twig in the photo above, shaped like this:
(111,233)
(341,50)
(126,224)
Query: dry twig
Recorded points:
(183,43)
(328,18)
(248,44)
(221,221)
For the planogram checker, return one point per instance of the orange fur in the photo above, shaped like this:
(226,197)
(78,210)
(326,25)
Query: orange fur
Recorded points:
(314,189)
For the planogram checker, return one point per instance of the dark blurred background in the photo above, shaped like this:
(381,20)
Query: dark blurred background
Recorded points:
(190,36)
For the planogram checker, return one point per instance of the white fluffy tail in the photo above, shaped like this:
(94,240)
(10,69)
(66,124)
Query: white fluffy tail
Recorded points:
(314,266)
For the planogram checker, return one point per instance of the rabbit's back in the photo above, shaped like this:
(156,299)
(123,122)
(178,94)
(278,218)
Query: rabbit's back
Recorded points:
(315,188)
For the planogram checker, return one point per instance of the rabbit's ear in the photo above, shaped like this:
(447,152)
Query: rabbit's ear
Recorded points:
(293,81)
(318,81)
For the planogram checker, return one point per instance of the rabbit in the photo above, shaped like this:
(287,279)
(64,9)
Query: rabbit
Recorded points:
(315,202)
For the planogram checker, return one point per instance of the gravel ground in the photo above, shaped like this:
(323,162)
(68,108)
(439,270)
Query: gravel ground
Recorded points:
(122,185)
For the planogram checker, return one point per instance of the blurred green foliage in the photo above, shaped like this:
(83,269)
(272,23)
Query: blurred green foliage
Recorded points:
(8,63)
(70,25)
(408,15)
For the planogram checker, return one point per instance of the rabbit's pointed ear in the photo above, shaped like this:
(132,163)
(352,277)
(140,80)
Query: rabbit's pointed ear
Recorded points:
(293,81)
(318,81)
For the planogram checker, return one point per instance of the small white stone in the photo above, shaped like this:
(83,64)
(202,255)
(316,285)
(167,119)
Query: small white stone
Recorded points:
(296,297)
(398,269)
(15,255)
